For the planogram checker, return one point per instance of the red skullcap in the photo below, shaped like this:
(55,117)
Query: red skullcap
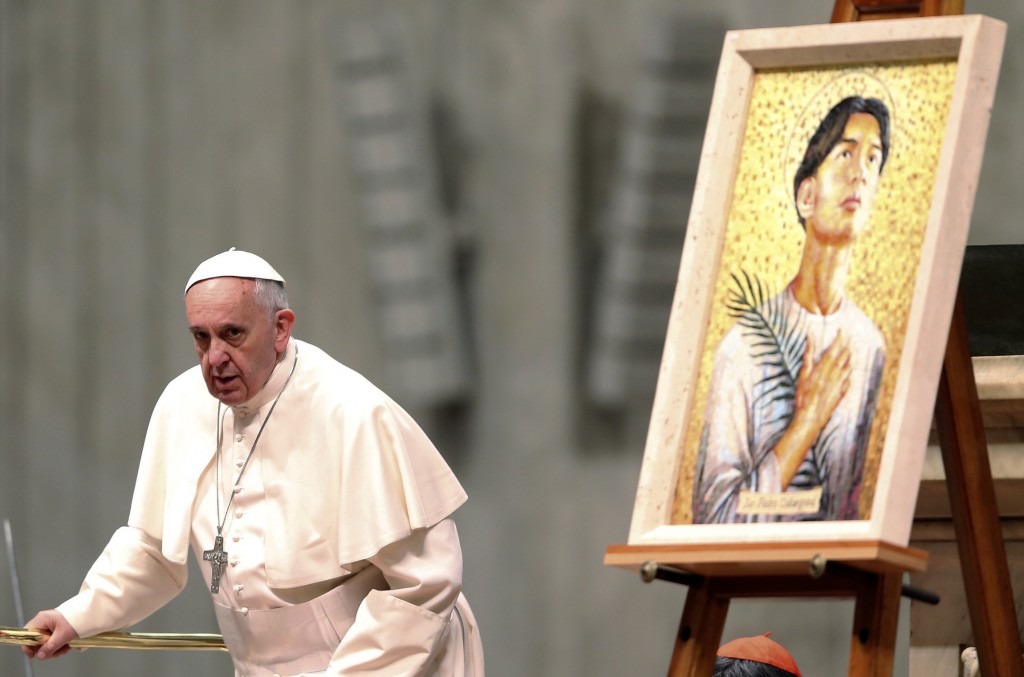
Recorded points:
(760,649)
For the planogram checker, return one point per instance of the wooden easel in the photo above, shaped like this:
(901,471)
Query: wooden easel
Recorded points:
(869,10)
(871,572)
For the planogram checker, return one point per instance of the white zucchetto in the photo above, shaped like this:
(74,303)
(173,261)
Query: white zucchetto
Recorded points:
(234,263)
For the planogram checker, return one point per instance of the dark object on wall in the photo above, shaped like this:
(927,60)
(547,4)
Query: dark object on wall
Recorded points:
(992,292)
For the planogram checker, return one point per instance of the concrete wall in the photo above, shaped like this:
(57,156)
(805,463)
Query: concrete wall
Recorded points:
(138,138)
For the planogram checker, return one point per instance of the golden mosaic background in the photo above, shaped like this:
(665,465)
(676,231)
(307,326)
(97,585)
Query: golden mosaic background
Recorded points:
(764,237)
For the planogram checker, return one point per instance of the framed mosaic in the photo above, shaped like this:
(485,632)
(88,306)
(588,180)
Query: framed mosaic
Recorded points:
(817,282)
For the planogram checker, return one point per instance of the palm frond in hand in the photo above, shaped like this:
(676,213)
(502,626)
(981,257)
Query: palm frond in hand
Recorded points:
(777,345)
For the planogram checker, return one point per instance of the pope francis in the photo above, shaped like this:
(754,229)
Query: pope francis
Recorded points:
(318,511)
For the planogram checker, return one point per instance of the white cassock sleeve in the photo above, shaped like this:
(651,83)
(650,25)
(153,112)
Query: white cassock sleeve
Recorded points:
(129,581)
(398,632)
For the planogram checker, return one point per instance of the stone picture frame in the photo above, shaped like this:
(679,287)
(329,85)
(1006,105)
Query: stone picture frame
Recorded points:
(971,49)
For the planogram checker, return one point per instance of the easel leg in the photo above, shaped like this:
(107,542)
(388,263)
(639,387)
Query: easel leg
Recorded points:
(872,647)
(700,631)
(972,500)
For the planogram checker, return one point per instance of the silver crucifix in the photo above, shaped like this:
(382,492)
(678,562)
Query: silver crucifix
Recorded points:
(217,559)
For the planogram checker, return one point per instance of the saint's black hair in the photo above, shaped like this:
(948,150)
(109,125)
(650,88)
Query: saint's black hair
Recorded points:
(830,132)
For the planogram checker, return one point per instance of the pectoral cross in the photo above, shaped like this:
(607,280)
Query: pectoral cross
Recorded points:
(217,559)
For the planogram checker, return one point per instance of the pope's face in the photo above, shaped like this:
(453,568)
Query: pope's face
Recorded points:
(237,343)
(836,202)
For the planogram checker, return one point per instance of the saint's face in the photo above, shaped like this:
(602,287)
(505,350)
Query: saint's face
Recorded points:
(237,343)
(837,203)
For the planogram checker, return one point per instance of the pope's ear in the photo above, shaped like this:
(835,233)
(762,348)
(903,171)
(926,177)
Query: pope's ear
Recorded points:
(805,197)
(283,321)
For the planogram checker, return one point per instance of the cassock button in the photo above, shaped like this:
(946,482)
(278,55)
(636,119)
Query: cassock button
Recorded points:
(239,587)
(234,562)
(237,490)
(244,610)
(235,538)
(239,437)
(239,462)
(239,513)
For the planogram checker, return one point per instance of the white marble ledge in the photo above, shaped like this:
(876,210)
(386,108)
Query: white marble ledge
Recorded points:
(999,377)
(1000,382)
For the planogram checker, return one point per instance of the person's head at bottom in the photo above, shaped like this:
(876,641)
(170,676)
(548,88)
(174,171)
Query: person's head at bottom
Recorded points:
(758,656)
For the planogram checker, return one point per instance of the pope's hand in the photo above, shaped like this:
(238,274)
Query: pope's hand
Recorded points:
(52,623)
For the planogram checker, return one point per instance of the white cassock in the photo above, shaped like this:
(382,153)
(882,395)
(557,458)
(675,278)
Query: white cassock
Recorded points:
(342,558)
